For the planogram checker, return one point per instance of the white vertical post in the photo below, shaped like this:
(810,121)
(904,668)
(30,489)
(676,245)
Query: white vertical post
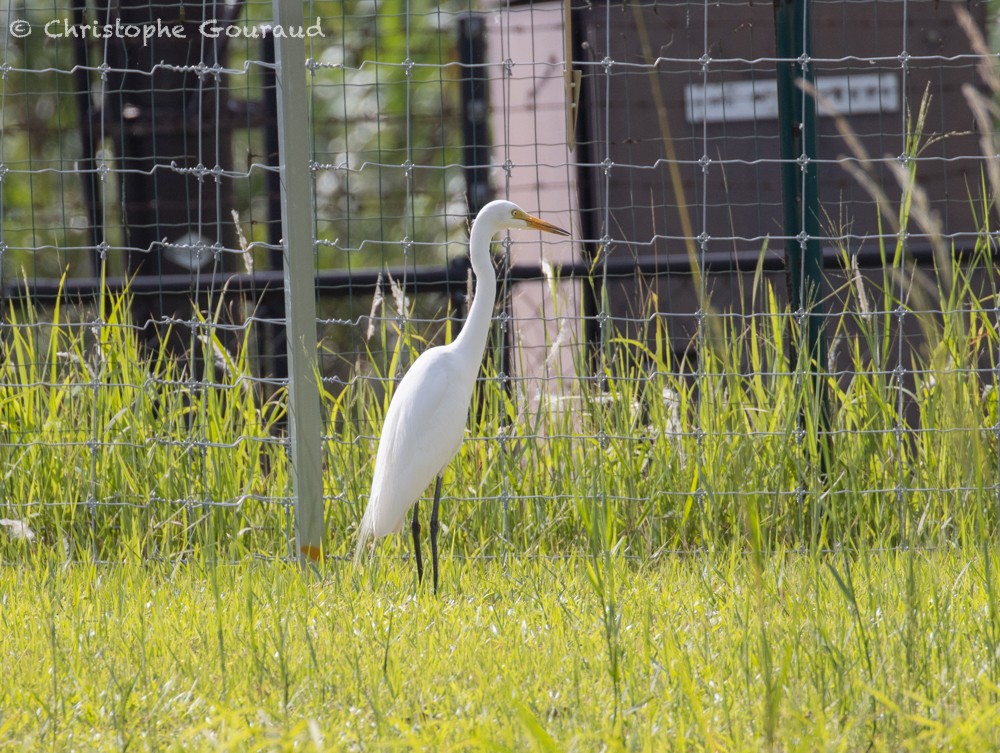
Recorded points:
(300,281)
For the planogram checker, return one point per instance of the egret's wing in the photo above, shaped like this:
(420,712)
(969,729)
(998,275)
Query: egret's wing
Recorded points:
(423,430)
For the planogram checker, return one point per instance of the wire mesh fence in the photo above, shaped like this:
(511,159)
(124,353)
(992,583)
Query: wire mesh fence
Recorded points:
(775,321)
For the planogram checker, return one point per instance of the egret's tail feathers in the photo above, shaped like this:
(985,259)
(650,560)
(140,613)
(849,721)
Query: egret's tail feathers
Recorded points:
(365,534)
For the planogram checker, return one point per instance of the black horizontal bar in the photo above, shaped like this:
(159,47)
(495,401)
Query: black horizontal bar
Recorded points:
(431,279)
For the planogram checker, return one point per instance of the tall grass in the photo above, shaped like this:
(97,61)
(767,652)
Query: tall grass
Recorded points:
(112,452)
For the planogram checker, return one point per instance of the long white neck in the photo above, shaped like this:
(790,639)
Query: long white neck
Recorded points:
(476,329)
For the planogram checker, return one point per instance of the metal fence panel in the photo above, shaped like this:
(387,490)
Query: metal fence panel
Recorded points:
(659,368)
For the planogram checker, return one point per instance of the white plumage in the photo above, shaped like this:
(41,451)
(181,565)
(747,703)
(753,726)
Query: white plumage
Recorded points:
(425,423)
(416,444)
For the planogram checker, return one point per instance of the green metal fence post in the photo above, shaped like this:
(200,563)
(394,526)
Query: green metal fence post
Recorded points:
(800,183)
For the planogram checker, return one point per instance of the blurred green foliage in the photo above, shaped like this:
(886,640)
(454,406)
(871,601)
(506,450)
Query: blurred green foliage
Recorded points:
(383,107)
(388,186)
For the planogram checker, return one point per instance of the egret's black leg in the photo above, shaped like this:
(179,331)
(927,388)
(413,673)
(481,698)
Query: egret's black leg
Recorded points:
(434,531)
(415,530)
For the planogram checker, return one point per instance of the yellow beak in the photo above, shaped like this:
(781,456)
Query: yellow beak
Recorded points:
(545,227)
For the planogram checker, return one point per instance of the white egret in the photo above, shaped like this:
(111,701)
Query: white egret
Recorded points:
(425,423)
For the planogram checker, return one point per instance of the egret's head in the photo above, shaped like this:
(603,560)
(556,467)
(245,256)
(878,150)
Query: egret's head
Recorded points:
(508,214)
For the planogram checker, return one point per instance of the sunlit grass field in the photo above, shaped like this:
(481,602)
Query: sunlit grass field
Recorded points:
(875,651)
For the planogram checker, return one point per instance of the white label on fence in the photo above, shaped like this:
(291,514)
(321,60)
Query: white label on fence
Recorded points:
(863,93)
